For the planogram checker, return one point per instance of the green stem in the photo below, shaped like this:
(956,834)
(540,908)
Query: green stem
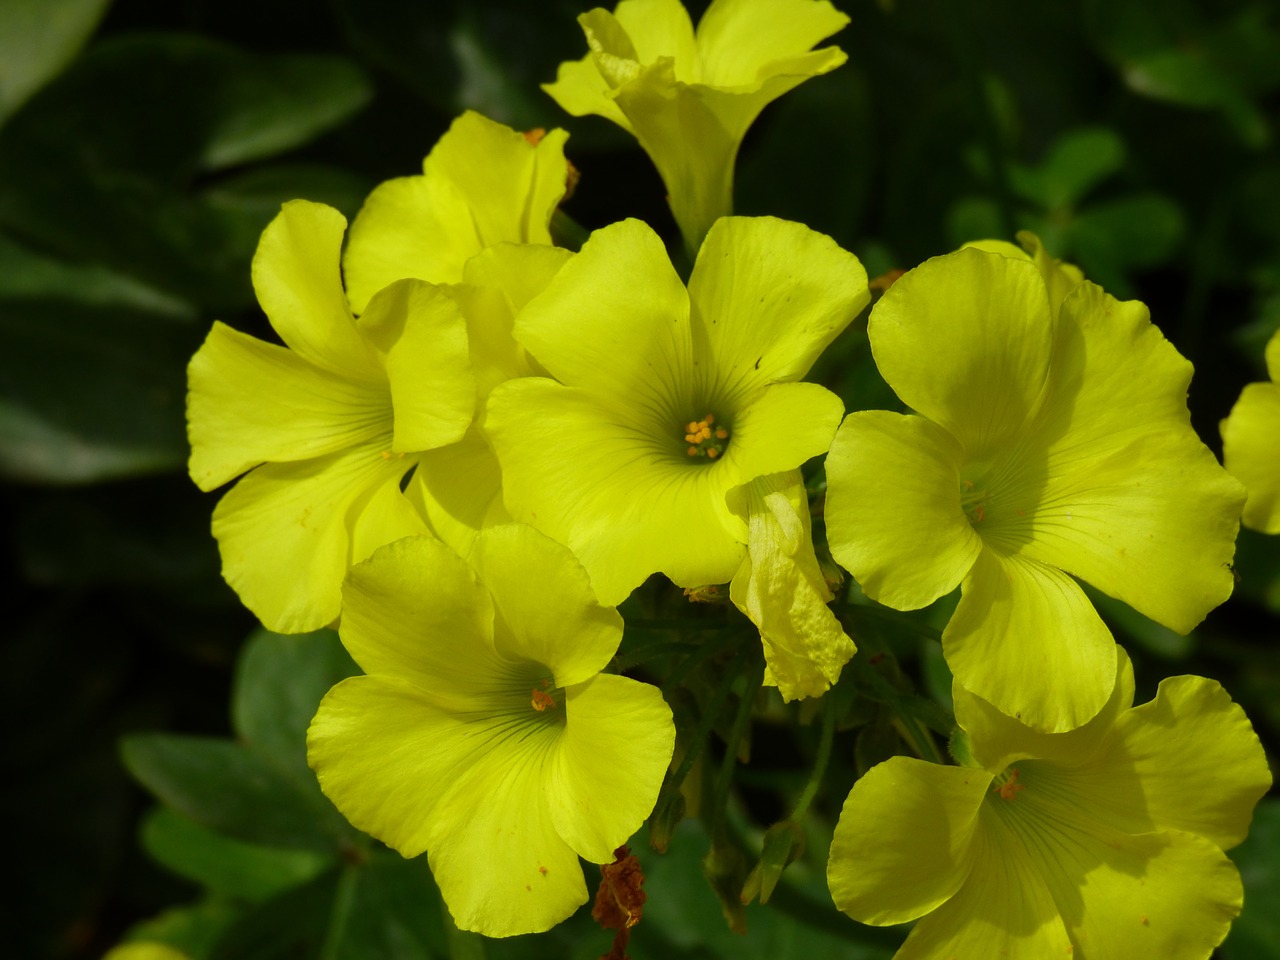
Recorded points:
(344,899)
(825,740)
(703,731)
(917,736)
(724,776)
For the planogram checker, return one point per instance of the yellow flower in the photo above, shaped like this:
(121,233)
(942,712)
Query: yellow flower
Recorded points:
(690,98)
(312,422)
(1051,441)
(1105,842)
(482,184)
(781,589)
(1251,445)
(669,398)
(484,732)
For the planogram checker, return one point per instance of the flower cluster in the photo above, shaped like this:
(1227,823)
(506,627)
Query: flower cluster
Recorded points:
(474,445)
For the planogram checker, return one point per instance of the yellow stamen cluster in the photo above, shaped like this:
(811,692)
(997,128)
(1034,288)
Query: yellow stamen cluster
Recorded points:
(705,440)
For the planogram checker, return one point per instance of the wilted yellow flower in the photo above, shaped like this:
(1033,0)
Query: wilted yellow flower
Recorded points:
(781,589)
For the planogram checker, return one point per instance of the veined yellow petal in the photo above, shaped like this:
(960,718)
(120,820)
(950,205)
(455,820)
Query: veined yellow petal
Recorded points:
(416,610)
(423,336)
(1026,639)
(249,402)
(285,532)
(741,42)
(1134,503)
(483,184)
(997,740)
(893,508)
(903,844)
(1004,910)
(296,277)
(965,340)
(617,745)
(541,594)
(1251,451)
(1205,780)
(750,271)
(615,321)
(624,505)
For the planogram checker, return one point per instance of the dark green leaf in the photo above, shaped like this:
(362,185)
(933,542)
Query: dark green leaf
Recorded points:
(1078,161)
(279,683)
(228,787)
(90,394)
(152,117)
(225,866)
(37,39)
(1256,933)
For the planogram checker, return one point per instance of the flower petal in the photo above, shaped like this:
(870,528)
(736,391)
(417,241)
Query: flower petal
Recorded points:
(542,595)
(458,489)
(781,588)
(617,745)
(498,283)
(1191,733)
(654,29)
(465,790)
(997,740)
(893,508)
(299,284)
(1133,503)
(965,339)
(484,183)
(1004,909)
(408,227)
(249,402)
(285,533)
(768,296)
(781,428)
(377,746)
(615,321)
(741,42)
(494,851)
(422,333)
(415,610)
(1251,451)
(1026,639)
(903,844)
(1153,895)
(600,487)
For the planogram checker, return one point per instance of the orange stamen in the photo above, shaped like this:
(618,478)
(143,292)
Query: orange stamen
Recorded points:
(1010,788)
(542,701)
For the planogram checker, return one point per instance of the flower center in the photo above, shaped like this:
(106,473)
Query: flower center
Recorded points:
(1007,785)
(546,696)
(704,438)
(973,499)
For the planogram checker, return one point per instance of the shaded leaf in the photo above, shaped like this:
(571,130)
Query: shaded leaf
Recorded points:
(225,866)
(37,39)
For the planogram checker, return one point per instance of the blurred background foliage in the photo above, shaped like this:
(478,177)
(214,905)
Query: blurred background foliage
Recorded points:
(144,144)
